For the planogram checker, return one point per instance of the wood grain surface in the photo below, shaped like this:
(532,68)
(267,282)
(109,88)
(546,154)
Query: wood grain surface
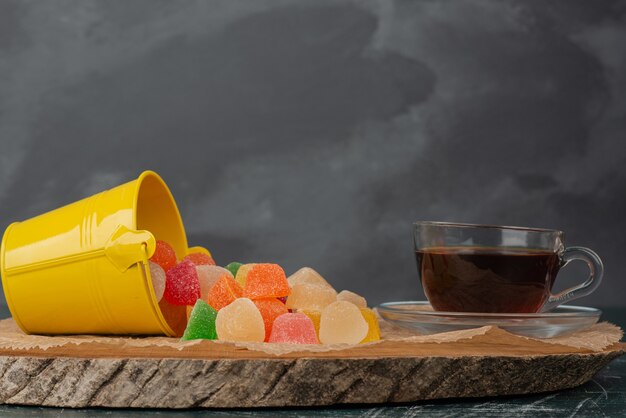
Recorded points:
(209,374)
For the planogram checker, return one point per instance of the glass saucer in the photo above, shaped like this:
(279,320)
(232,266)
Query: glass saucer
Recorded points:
(419,316)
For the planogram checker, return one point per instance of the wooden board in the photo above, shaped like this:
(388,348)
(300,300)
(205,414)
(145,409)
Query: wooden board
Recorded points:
(219,375)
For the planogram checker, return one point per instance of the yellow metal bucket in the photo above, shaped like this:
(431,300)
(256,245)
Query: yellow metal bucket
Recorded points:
(83,268)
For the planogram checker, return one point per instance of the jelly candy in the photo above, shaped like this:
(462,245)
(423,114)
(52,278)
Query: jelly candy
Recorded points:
(358,301)
(201,322)
(342,323)
(283,299)
(233,268)
(270,308)
(224,292)
(266,281)
(200,259)
(314,316)
(208,276)
(307,275)
(373,333)
(158,280)
(240,321)
(164,255)
(293,328)
(242,273)
(202,250)
(311,296)
(181,284)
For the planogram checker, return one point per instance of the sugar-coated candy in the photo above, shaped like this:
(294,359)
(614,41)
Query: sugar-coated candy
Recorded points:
(164,255)
(307,275)
(314,316)
(270,308)
(311,296)
(242,273)
(266,280)
(373,332)
(208,276)
(202,250)
(181,284)
(157,274)
(240,321)
(342,323)
(201,323)
(293,328)
(348,296)
(233,268)
(224,292)
(200,259)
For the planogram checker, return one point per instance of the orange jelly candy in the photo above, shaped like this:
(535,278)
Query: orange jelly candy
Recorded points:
(200,259)
(224,292)
(164,255)
(270,308)
(266,281)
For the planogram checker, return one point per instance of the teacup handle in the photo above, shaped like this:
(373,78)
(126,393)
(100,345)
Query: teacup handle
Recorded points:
(596,271)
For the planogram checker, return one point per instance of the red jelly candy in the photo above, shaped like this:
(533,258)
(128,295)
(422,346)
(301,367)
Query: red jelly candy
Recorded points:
(181,284)
(293,328)
(200,259)
(270,308)
(283,299)
(266,281)
(224,292)
(164,255)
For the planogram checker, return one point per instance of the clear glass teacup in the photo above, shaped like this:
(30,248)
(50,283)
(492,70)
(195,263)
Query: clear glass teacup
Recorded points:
(490,268)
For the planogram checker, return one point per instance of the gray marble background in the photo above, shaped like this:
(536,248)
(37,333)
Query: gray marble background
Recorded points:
(314,132)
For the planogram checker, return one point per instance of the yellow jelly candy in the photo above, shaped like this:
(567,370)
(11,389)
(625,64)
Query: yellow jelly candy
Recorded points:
(310,297)
(373,333)
(240,321)
(307,275)
(342,323)
(242,274)
(353,298)
(315,318)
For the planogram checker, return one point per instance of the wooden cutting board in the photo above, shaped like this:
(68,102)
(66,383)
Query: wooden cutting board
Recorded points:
(212,375)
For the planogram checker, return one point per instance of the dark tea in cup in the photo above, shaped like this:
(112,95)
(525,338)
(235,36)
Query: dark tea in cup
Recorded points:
(476,279)
(496,269)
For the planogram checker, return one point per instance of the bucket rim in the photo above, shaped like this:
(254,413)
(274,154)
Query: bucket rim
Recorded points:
(145,269)
(153,174)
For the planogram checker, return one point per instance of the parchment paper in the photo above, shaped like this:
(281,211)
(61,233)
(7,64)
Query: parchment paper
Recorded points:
(596,338)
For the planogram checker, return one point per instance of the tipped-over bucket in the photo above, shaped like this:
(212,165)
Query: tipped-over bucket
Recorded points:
(83,268)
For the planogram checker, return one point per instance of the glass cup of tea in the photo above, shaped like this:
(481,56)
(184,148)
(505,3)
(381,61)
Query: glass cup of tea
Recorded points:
(496,269)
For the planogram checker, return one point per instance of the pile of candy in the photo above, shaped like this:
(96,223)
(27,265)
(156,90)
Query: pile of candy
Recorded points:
(256,302)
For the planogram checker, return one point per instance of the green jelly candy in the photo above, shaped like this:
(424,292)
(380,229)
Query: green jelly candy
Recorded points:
(234,267)
(201,324)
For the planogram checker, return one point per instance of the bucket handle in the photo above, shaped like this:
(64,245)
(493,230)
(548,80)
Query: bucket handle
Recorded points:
(125,248)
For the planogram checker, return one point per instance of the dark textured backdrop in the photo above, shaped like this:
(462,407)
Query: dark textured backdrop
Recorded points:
(314,133)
